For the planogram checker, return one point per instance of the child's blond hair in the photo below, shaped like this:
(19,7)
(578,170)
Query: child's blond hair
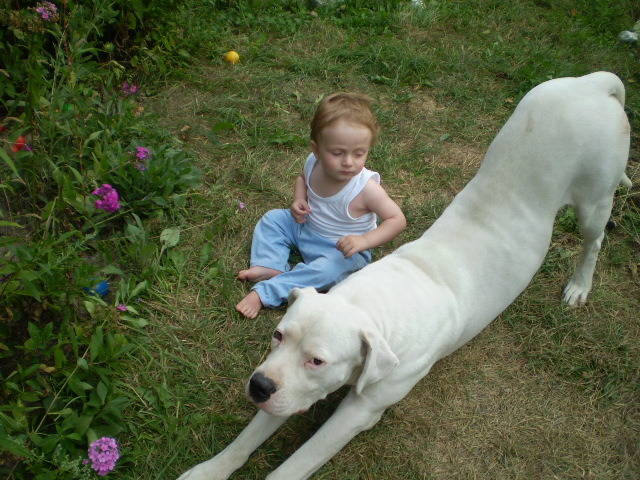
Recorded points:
(351,107)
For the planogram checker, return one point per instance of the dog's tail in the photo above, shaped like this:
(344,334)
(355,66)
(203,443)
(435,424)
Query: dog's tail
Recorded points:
(615,88)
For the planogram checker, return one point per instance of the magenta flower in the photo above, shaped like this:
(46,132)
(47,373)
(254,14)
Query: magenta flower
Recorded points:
(122,307)
(47,11)
(143,155)
(110,199)
(103,454)
(129,89)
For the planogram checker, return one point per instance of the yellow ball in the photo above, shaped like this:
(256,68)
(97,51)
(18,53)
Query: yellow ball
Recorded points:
(232,57)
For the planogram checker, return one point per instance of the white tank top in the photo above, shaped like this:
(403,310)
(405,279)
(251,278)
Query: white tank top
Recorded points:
(330,215)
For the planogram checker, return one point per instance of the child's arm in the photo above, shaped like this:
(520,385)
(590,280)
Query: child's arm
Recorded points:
(376,200)
(300,208)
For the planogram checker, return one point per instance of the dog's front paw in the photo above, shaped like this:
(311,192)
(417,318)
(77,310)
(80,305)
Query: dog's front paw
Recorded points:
(575,294)
(192,475)
(200,472)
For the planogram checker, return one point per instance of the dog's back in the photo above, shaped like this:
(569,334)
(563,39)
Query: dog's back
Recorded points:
(563,133)
(567,142)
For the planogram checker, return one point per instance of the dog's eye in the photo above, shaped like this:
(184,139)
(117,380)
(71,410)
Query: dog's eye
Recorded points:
(277,335)
(316,362)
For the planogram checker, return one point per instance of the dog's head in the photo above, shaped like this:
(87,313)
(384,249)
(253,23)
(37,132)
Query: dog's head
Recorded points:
(321,343)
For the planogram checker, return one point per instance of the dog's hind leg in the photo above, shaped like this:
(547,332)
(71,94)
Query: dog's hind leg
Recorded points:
(592,219)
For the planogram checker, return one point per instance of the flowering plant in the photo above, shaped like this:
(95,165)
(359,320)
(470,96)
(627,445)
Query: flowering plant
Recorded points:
(20,144)
(129,89)
(110,199)
(103,455)
(47,11)
(142,155)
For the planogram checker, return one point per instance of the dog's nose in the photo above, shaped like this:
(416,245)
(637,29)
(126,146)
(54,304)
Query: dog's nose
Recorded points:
(261,388)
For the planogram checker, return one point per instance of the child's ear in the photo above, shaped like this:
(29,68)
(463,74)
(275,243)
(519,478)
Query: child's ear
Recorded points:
(314,148)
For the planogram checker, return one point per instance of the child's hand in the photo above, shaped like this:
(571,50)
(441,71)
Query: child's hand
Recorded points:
(352,244)
(300,209)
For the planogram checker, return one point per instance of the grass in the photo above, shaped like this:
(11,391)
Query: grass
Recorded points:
(544,392)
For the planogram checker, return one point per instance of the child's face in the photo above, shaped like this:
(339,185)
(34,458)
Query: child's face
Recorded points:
(342,149)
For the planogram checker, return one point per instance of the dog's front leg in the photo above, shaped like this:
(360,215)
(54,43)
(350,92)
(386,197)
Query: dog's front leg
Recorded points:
(236,454)
(354,415)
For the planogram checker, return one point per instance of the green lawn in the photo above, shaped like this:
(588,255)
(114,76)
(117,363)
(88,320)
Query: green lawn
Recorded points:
(545,392)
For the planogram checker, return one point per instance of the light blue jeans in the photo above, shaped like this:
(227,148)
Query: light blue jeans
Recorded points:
(322,266)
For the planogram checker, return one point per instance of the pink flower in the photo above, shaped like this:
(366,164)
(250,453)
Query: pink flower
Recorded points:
(47,11)
(241,206)
(143,155)
(122,307)
(110,199)
(128,89)
(103,454)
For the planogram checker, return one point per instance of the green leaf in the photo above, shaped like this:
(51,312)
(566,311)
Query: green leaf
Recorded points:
(82,364)
(212,272)
(170,237)
(5,223)
(31,289)
(96,343)
(60,359)
(50,443)
(222,126)
(90,306)
(83,424)
(9,162)
(91,137)
(102,391)
(13,447)
(134,322)
(138,288)
(111,270)
(205,254)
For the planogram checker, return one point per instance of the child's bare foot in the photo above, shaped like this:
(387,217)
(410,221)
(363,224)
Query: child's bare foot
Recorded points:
(257,274)
(250,305)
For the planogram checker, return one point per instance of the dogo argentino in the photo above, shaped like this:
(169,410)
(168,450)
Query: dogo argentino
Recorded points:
(383,328)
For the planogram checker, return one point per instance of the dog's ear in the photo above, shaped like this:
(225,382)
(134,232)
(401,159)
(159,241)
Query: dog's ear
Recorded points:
(379,360)
(298,292)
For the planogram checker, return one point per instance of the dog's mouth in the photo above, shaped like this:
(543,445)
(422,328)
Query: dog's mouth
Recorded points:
(277,410)
(275,407)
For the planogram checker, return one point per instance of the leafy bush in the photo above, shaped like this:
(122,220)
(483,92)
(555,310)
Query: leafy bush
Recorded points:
(79,165)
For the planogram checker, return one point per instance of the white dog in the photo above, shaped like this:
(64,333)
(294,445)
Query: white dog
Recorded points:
(382,329)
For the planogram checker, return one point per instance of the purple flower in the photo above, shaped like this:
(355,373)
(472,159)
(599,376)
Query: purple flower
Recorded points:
(241,206)
(142,154)
(47,10)
(129,89)
(103,454)
(122,307)
(110,199)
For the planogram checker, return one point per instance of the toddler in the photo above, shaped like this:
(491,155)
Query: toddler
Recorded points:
(332,221)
